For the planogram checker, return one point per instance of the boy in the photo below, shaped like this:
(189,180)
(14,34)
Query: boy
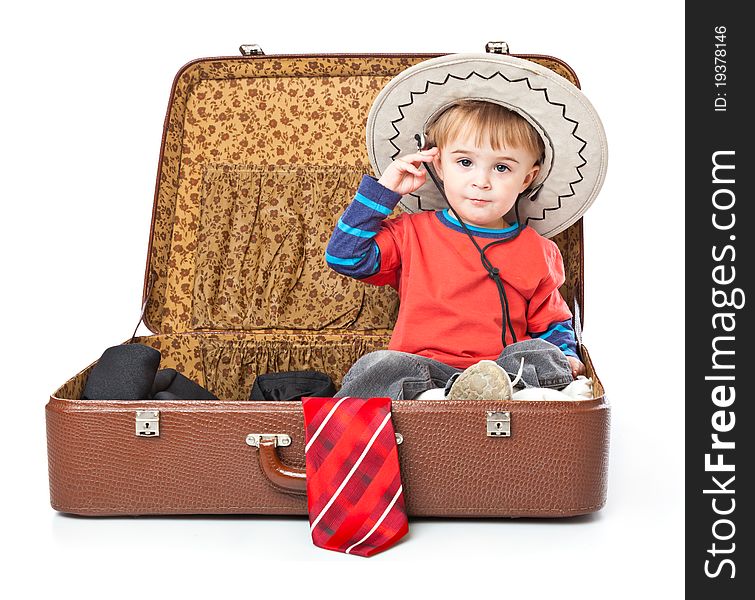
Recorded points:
(486,156)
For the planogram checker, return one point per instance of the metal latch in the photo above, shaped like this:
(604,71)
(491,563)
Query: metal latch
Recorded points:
(251,50)
(148,423)
(280,439)
(283,439)
(497,47)
(499,423)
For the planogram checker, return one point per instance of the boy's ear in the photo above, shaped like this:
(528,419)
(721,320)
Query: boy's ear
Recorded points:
(437,167)
(530,177)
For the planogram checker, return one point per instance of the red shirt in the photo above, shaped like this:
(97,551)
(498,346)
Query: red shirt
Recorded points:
(450,309)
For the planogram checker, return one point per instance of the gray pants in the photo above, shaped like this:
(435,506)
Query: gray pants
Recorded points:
(403,376)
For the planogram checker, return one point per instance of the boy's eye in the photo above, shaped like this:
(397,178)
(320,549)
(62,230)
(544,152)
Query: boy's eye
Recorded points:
(501,168)
(465,162)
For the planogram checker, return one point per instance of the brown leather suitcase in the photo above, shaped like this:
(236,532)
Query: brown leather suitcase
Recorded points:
(260,155)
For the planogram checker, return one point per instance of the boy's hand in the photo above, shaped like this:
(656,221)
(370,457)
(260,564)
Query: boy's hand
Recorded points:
(577,367)
(404,175)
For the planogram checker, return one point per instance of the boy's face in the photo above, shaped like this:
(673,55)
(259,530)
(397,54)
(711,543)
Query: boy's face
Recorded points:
(482,184)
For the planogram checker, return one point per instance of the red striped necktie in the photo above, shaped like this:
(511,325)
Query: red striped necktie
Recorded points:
(354,490)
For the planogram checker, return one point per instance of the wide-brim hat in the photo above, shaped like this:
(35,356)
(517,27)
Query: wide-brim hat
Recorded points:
(576,152)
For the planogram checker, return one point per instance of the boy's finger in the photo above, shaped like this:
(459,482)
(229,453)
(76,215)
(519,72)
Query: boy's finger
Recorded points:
(411,168)
(418,157)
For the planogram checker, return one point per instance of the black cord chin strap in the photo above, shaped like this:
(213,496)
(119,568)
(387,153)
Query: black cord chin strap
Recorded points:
(493,272)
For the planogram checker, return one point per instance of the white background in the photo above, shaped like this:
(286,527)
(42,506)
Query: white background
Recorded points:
(84,93)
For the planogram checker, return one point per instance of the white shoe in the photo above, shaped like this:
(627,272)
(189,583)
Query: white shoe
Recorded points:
(432,394)
(579,389)
(540,394)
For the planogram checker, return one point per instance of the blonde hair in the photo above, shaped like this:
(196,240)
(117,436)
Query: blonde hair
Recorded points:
(490,122)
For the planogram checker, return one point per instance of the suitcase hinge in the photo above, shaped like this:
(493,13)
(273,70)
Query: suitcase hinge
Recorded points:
(148,423)
(499,423)
(251,50)
(497,47)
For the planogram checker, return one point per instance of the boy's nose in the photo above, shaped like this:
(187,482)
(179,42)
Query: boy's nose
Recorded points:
(482,181)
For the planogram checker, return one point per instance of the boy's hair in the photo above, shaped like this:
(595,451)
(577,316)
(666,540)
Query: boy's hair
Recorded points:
(491,122)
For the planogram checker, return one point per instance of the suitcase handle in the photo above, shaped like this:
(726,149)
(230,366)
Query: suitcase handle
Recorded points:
(283,477)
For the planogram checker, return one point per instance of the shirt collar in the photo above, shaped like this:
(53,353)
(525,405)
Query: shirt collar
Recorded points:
(445,217)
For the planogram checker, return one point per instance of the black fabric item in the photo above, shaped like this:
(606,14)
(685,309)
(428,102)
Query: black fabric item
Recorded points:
(292,386)
(163,379)
(176,386)
(124,372)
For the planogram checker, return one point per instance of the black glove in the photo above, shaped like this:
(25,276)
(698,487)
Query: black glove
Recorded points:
(129,372)
(124,372)
(171,385)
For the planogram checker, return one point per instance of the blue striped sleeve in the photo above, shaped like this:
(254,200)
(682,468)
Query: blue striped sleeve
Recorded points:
(560,334)
(352,249)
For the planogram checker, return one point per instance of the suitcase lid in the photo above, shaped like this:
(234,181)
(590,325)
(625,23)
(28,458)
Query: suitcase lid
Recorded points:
(260,155)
